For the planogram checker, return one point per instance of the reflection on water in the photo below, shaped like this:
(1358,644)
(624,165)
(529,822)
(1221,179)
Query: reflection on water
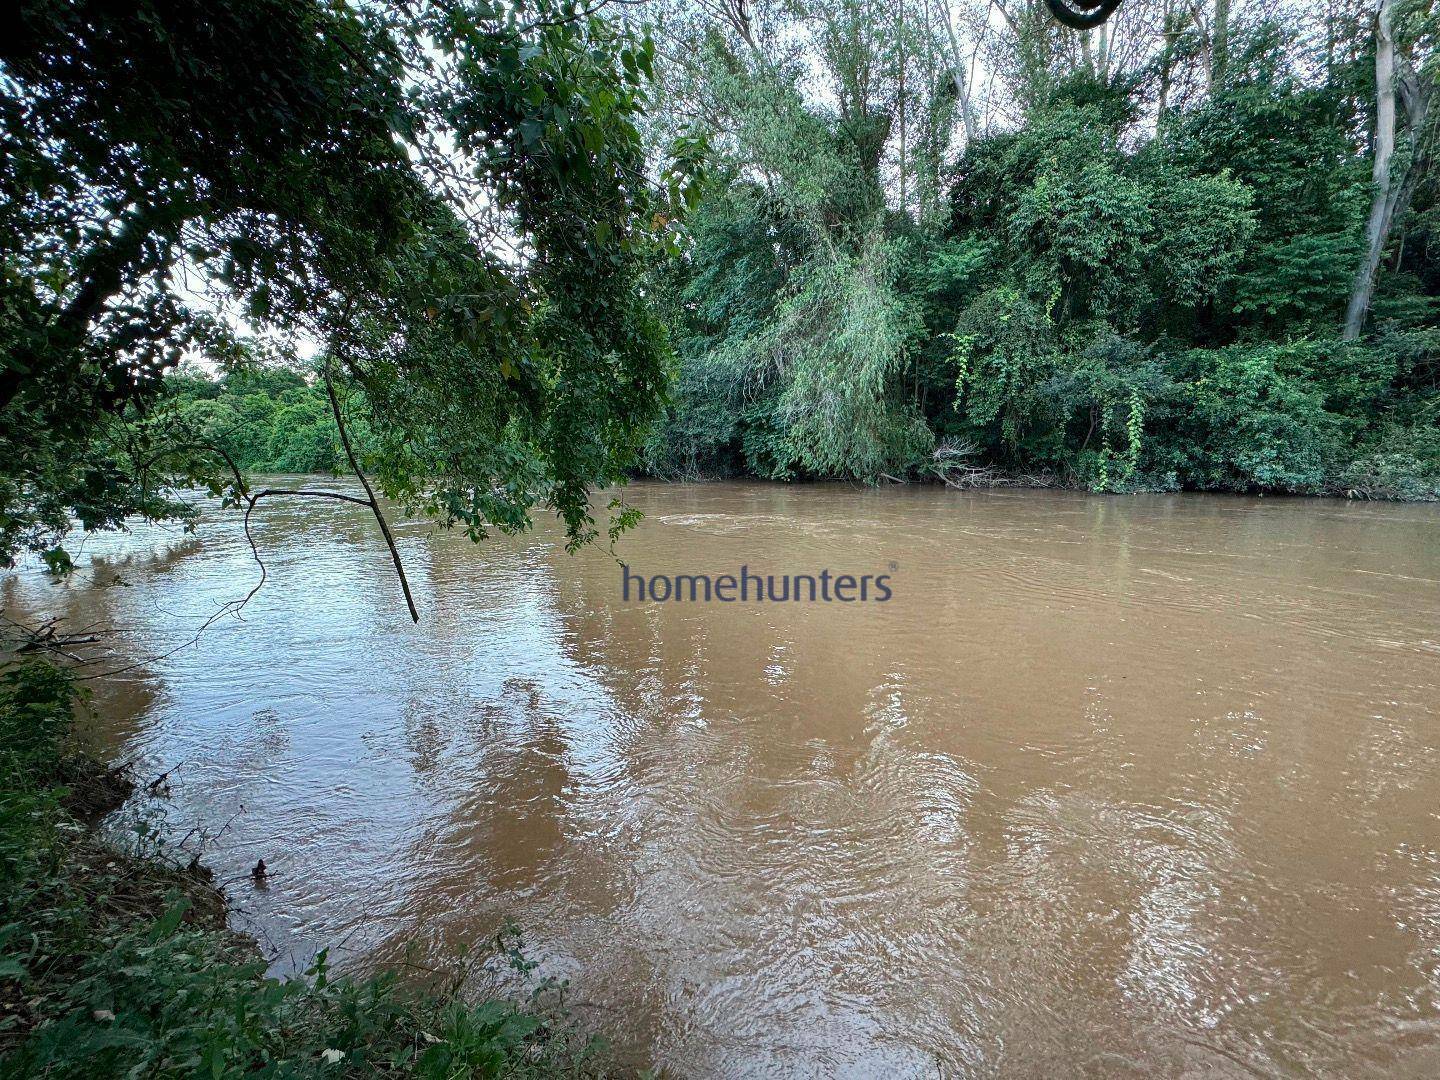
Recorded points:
(1112,786)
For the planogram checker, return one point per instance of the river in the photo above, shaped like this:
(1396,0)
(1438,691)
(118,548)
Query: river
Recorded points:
(1109,786)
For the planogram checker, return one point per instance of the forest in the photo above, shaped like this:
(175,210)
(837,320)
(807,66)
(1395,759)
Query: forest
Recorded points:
(978,247)
(1121,260)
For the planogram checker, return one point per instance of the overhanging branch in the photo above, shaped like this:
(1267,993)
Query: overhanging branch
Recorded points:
(373,502)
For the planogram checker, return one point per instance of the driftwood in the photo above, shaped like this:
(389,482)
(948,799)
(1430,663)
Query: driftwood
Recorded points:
(954,466)
(47,638)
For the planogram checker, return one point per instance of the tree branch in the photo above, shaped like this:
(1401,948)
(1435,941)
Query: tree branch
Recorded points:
(374,503)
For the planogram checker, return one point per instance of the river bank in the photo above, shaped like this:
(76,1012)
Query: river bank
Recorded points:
(118,960)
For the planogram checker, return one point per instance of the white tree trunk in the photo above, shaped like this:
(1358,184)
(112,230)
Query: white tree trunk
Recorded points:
(961,74)
(1382,207)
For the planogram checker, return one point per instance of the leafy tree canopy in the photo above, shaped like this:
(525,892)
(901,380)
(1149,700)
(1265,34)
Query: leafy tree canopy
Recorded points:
(449,202)
(936,244)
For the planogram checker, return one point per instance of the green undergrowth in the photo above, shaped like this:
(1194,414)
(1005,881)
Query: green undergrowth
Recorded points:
(117,963)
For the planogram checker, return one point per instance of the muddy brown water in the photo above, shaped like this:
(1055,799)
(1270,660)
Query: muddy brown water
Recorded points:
(1110,786)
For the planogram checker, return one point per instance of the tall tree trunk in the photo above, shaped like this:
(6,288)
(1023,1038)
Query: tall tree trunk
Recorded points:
(1167,61)
(960,73)
(927,180)
(1330,42)
(900,89)
(1220,47)
(1205,33)
(1382,206)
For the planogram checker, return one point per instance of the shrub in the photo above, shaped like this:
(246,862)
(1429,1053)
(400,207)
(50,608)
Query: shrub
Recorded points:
(1253,421)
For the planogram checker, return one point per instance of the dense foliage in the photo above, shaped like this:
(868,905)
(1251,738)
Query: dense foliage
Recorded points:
(1129,273)
(270,420)
(449,202)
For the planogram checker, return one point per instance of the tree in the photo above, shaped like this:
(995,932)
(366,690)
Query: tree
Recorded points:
(793,283)
(1393,186)
(450,200)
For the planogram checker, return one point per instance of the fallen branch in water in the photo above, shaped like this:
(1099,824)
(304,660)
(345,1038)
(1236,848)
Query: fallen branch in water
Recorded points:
(953,466)
(47,637)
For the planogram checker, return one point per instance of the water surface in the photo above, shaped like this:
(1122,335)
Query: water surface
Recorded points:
(1111,786)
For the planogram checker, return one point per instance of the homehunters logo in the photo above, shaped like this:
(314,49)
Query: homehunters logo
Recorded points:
(749,588)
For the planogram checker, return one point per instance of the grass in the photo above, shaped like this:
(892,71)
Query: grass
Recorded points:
(120,964)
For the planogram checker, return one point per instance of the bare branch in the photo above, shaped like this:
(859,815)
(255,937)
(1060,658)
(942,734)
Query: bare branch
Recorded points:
(374,503)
